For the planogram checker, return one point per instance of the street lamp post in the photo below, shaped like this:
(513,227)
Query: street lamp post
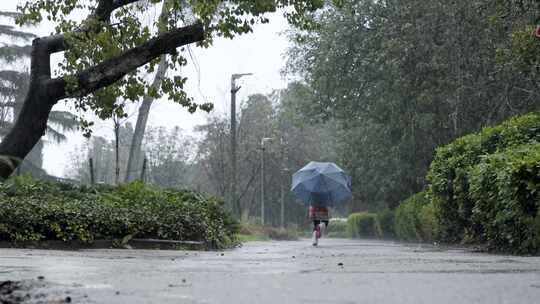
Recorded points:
(235,204)
(285,171)
(263,140)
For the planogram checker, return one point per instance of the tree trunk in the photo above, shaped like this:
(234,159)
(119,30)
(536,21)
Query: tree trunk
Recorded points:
(28,129)
(31,122)
(133,165)
(45,92)
(116,152)
(33,162)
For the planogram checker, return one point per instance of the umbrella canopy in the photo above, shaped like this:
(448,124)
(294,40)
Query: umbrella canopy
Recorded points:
(321,184)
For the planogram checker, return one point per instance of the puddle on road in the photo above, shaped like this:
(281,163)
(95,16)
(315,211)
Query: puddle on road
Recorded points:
(33,291)
(509,261)
(454,271)
(190,299)
(4,270)
(311,270)
(96,286)
(329,301)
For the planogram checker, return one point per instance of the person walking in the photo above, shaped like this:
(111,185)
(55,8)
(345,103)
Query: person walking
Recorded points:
(321,185)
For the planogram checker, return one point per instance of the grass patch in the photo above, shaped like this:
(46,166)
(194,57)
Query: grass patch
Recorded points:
(250,232)
(251,238)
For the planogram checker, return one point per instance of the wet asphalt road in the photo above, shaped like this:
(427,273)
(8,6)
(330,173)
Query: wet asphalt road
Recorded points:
(339,271)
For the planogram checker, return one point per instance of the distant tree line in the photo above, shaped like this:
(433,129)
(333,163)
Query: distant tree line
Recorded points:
(292,145)
(103,52)
(167,154)
(380,85)
(180,161)
(400,78)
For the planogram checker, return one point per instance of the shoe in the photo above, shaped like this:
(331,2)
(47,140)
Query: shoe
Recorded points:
(315,239)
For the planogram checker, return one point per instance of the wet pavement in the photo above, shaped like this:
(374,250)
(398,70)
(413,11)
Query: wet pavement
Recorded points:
(338,271)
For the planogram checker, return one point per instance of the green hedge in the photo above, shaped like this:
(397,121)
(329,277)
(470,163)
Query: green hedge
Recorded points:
(415,219)
(362,224)
(337,228)
(429,223)
(407,222)
(365,224)
(33,210)
(385,224)
(449,173)
(505,187)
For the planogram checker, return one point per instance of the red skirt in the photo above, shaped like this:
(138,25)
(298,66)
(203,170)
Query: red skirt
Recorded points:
(318,213)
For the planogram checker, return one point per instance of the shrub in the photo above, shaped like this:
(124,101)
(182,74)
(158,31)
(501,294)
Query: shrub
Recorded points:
(337,228)
(536,231)
(249,231)
(385,223)
(33,210)
(505,187)
(407,220)
(415,219)
(361,224)
(429,224)
(449,172)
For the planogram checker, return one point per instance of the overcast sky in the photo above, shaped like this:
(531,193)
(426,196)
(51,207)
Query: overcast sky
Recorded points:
(261,53)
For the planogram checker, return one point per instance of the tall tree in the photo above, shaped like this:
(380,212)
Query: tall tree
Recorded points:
(134,160)
(168,154)
(294,143)
(105,157)
(212,155)
(103,51)
(400,78)
(144,111)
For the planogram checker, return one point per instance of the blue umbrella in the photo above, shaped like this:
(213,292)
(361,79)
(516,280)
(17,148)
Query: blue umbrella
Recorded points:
(321,184)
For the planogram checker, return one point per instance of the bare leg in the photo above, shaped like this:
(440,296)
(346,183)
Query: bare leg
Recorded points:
(315,233)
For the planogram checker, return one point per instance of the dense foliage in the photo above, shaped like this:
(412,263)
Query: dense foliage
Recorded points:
(385,223)
(415,219)
(171,161)
(484,189)
(362,224)
(366,224)
(292,146)
(454,166)
(505,189)
(400,78)
(33,210)
(380,85)
(113,28)
(337,228)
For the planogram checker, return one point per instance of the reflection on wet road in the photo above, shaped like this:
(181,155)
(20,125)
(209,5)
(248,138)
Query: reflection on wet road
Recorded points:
(339,271)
